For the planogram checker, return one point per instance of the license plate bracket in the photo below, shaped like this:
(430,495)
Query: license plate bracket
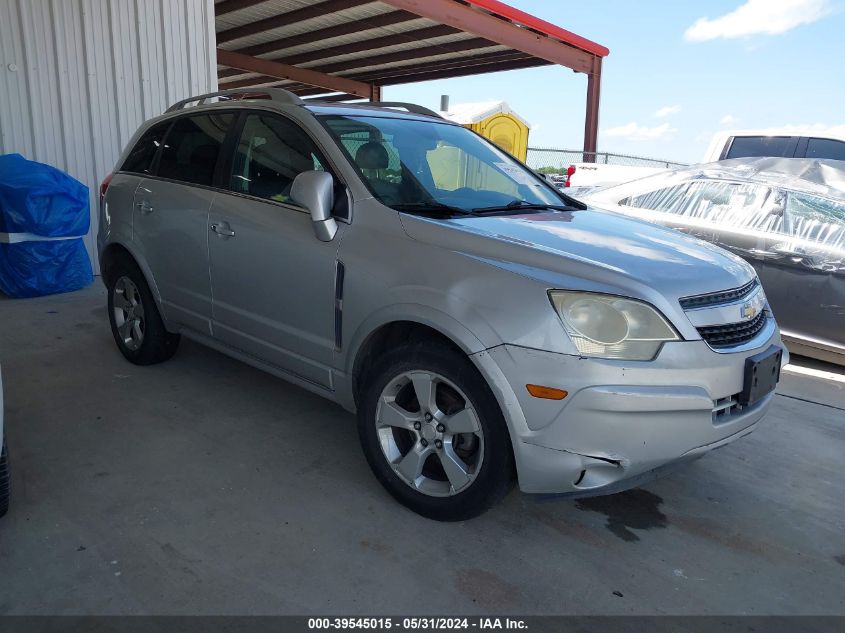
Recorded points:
(762,373)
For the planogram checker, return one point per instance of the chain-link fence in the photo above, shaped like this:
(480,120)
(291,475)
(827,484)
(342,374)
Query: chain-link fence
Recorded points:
(557,160)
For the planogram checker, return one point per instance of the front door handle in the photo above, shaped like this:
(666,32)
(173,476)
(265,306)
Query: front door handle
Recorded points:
(144,207)
(222,230)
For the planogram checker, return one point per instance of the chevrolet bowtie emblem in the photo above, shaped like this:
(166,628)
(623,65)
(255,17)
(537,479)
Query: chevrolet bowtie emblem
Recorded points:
(748,310)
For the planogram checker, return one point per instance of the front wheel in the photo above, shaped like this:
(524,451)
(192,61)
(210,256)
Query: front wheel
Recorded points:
(433,433)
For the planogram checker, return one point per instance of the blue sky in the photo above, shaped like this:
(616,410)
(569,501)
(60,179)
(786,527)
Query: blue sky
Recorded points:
(749,64)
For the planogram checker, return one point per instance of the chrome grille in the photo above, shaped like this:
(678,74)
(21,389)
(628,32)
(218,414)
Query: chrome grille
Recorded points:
(719,298)
(732,334)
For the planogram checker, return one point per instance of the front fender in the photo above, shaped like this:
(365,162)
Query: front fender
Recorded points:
(415,313)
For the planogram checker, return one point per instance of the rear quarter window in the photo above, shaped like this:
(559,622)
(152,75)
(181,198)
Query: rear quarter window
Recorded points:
(140,159)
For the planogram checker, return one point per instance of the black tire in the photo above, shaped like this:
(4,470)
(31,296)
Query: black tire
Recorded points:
(494,477)
(5,479)
(158,345)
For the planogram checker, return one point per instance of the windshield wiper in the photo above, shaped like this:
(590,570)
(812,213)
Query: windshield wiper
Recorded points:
(431,207)
(524,205)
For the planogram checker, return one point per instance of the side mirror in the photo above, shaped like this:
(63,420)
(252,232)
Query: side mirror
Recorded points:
(314,190)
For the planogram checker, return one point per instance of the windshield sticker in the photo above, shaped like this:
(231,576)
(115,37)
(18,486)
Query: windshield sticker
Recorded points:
(517,174)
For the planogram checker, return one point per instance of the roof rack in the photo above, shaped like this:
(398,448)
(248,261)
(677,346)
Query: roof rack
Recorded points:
(273,94)
(410,107)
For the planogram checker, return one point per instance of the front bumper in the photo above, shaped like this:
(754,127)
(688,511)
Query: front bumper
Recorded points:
(621,421)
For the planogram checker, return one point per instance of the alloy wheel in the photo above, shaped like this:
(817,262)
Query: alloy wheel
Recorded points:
(128,313)
(430,433)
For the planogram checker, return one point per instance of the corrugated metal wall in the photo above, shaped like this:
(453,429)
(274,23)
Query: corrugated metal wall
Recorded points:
(77,77)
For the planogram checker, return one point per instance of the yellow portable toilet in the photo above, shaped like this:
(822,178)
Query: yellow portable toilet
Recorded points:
(496,121)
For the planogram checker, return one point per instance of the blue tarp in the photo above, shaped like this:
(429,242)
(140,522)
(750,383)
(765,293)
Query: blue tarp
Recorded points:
(38,201)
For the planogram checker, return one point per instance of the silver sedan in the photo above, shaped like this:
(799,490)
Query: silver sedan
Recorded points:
(785,216)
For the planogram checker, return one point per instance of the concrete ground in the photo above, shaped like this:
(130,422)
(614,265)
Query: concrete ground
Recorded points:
(203,486)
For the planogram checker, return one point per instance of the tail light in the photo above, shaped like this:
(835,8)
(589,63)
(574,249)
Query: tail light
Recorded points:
(104,186)
(569,171)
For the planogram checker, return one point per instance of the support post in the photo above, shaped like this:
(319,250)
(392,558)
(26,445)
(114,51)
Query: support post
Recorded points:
(375,93)
(591,122)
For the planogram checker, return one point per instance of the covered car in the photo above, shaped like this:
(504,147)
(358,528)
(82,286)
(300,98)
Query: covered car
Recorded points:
(785,216)
(44,214)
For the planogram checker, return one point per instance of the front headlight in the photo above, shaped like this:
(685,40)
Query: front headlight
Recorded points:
(607,326)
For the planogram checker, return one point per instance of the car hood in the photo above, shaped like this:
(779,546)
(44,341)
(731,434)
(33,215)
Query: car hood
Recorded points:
(589,249)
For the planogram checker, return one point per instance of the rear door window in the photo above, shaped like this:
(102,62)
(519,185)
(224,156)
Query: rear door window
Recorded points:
(140,159)
(192,148)
(825,148)
(272,151)
(753,146)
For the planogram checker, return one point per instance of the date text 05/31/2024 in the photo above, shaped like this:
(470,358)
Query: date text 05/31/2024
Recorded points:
(413,624)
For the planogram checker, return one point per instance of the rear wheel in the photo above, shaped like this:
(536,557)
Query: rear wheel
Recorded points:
(433,433)
(5,479)
(135,320)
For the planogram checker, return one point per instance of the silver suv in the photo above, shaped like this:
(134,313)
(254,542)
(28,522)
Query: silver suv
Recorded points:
(481,323)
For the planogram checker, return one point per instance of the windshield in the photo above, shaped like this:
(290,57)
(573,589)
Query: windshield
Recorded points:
(409,164)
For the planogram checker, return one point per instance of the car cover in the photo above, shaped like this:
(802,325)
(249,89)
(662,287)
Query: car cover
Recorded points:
(43,218)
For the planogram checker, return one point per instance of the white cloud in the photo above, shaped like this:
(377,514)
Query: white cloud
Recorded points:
(667,110)
(806,129)
(754,17)
(636,132)
(728,119)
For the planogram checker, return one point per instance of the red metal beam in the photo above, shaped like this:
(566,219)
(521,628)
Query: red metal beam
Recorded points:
(249,81)
(302,90)
(410,54)
(526,19)
(286,71)
(482,24)
(458,68)
(505,60)
(458,65)
(530,62)
(296,88)
(286,19)
(375,75)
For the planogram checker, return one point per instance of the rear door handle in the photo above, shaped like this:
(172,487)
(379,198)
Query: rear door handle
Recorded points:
(144,207)
(223,230)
